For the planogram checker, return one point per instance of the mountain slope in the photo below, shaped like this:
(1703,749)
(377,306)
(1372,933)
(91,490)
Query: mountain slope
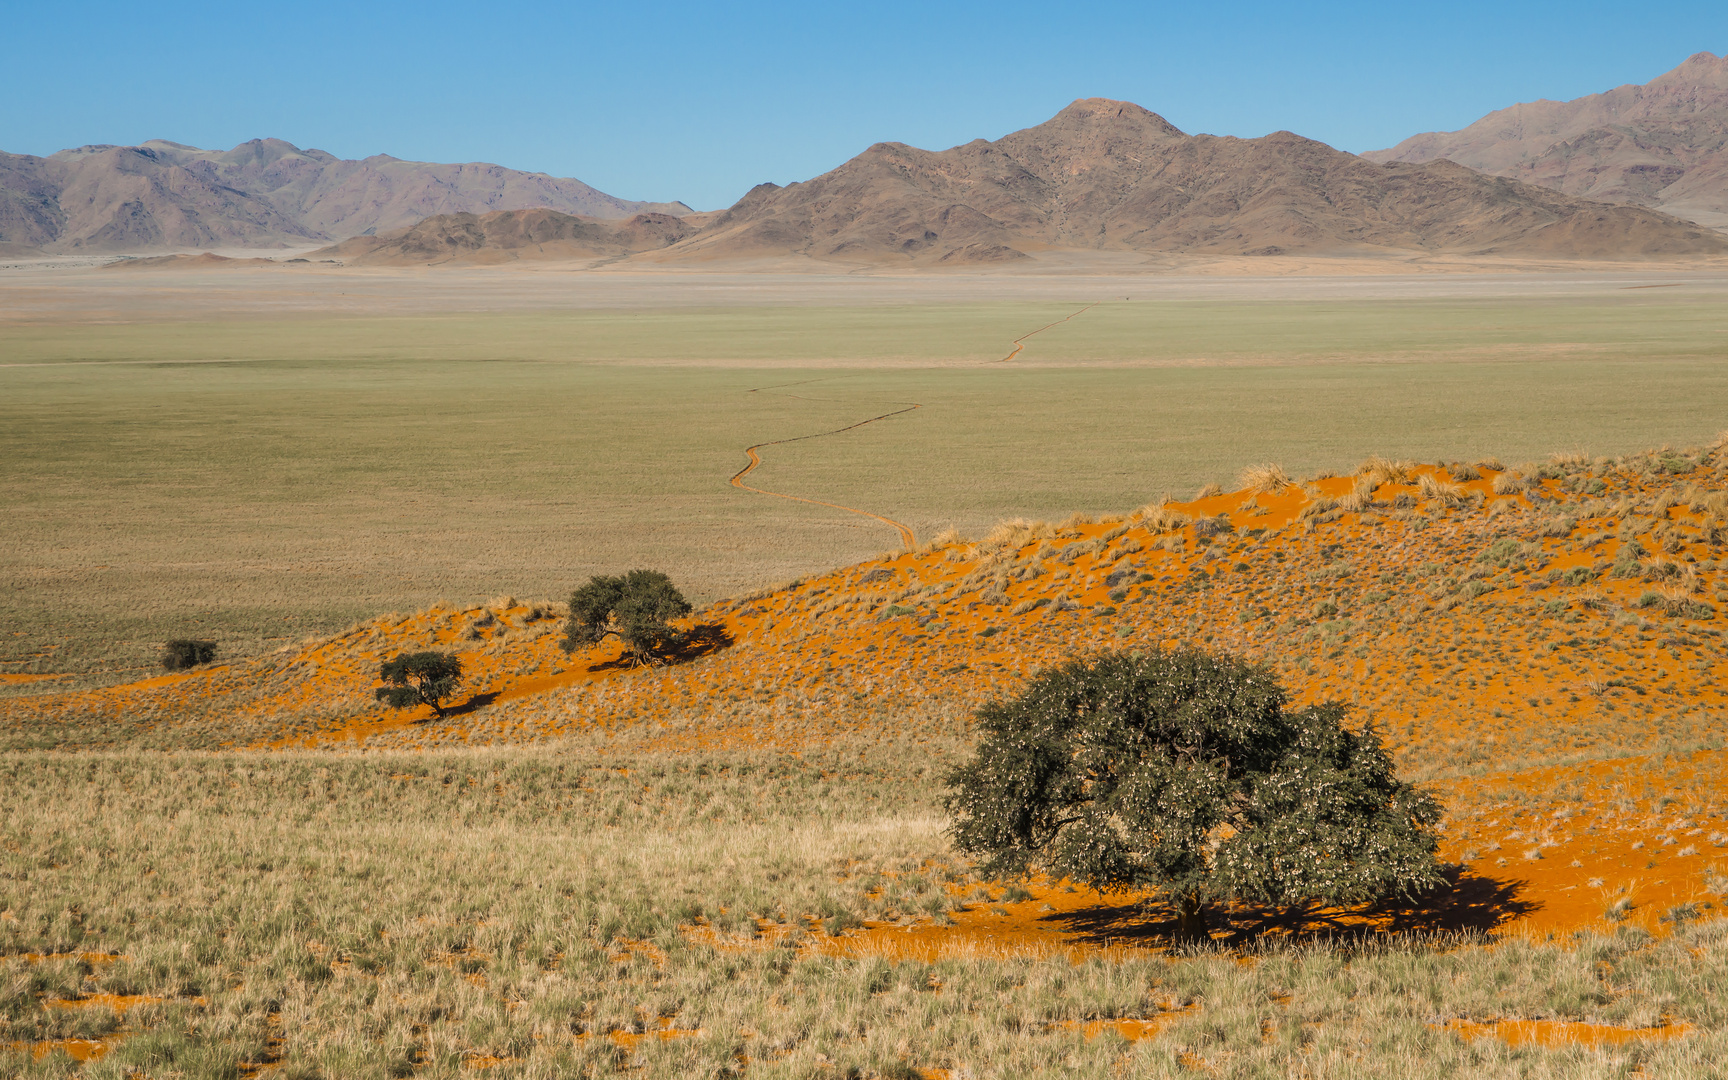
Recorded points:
(507,236)
(1663,144)
(1109,175)
(163,195)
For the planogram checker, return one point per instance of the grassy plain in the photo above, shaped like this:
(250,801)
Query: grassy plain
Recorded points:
(551,911)
(258,479)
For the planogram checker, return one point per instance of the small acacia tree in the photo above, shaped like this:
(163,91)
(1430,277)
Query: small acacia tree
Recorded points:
(185,652)
(636,607)
(1184,774)
(422,678)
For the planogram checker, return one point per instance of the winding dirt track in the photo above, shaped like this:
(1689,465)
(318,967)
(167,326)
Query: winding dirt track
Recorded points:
(907,537)
(1020,342)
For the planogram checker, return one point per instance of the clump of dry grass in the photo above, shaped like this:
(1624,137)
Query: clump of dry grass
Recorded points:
(1379,470)
(946,538)
(1361,496)
(1510,483)
(1265,479)
(1162,519)
(1016,533)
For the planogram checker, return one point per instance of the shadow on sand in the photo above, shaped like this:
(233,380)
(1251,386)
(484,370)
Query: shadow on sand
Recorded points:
(699,641)
(1468,904)
(475,703)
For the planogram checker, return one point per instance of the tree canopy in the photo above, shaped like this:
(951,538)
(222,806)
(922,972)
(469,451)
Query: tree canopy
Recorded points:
(636,607)
(1186,774)
(186,652)
(422,678)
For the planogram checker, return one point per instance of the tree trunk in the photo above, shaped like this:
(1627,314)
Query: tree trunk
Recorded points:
(1191,920)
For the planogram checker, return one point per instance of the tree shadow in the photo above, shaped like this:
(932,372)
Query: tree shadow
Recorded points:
(1467,903)
(473,704)
(698,641)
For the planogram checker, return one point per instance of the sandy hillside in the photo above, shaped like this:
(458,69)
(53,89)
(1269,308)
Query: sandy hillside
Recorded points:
(1663,144)
(1541,644)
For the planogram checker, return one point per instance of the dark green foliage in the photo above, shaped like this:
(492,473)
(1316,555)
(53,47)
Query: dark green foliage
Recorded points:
(184,653)
(1213,526)
(422,678)
(637,608)
(1183,773)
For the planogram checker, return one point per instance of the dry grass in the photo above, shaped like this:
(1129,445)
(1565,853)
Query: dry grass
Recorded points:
(1268,479)
(416,914)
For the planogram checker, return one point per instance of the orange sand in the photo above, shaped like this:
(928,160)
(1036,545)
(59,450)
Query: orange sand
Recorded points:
(1367,600)
(76,1049)
(1552,1033)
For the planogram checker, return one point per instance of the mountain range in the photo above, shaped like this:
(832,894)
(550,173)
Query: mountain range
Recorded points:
(264,193)
(1663,144)
(1111,176)
(1637,172)
(1099,176)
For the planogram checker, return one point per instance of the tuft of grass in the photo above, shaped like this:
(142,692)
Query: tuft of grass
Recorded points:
(1265,479)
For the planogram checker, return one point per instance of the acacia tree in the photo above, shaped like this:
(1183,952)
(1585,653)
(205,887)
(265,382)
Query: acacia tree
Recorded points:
(185,653)
(422,678)
(636,607)
(1185,774)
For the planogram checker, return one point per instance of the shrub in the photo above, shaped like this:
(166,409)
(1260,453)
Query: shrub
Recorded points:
(1213,526)
(636,608)
(422,678)
(184,653)
(1183,773)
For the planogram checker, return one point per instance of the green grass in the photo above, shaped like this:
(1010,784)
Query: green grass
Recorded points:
(255,481)
(395,915)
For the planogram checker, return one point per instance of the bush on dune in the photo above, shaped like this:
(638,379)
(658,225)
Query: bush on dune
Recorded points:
(1184,774)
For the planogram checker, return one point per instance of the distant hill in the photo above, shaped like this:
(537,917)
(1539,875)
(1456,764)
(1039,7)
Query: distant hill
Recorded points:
(507,236)
(1109,175)
(1663,144)
(163,195)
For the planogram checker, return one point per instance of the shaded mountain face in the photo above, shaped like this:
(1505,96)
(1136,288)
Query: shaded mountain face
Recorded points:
(1663,144)
(1109,175)
(509,236)
(262,193)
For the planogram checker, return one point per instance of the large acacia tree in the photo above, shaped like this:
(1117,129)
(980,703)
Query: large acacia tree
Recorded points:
(1186,774)
(636,607)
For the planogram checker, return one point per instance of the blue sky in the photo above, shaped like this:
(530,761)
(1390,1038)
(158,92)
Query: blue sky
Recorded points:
(700,101)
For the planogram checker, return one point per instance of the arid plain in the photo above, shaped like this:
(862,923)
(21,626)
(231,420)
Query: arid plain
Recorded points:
(1498,538)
